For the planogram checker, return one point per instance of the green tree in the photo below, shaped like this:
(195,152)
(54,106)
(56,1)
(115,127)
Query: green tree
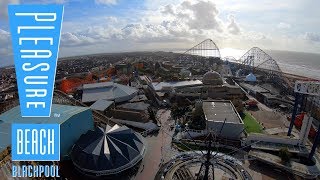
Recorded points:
(152,115)
(285,155)
(178,111)
(175,111)
(197,121)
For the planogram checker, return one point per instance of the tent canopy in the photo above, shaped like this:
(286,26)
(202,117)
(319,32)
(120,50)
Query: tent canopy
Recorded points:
(108,151)
(251,78)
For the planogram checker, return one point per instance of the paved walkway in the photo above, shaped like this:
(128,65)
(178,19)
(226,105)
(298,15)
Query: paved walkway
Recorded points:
(158,147)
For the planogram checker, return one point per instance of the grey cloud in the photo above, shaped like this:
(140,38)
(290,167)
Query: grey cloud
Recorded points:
(312,37)
(149,33)
(255,36)
(106,2)
(71,39)
(204,15)
(283,25)
(4,7)
(168,9)
(5,45)
(190,21)
(233,27)
(6,57)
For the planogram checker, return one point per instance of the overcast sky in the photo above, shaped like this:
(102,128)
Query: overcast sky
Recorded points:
(97,26)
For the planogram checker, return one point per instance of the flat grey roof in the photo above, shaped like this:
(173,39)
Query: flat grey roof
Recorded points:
(175,84)
(101,105)
(219,111)
(108,91)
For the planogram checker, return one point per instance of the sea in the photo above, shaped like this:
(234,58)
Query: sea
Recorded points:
(298,63)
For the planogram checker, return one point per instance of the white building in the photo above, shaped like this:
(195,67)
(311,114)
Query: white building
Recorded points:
(223,119)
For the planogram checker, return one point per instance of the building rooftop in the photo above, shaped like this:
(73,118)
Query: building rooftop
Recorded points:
(5,135)
(139,106)
(174,84)
(108,91)
(14,116)
(139,98)
(64,111)
(101,105)
(108,151)
(220,110)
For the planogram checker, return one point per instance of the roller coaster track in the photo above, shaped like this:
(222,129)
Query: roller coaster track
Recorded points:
(259,60)
(206,48)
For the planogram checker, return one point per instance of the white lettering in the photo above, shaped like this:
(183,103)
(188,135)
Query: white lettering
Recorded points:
(36,92)
(34,141)
(38,15)
(14,170)
(27,78)
(42,148)
(43,104)
(26,141)
(34,28)
(35,39)
(19,141)
(47,67)
(50,141)
(36,54)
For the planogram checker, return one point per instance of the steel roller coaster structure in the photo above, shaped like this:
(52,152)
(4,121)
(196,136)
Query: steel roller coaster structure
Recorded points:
(257,61)
(206,48)
(254,61)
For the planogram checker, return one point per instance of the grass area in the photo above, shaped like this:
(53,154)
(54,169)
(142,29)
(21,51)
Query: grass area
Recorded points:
(250,124)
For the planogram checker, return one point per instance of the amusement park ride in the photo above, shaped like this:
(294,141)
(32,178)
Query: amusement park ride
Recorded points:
(70,85)
(305,90)
(206,48)
(256,60)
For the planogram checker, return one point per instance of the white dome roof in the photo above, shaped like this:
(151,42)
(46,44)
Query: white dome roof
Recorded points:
(212,78)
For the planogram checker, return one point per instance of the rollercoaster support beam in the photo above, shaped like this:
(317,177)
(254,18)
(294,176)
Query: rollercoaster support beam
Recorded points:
(294,112)
(306,88)
(315,144)
(207,163)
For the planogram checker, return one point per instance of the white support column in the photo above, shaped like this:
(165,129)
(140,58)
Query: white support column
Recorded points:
(305,129)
